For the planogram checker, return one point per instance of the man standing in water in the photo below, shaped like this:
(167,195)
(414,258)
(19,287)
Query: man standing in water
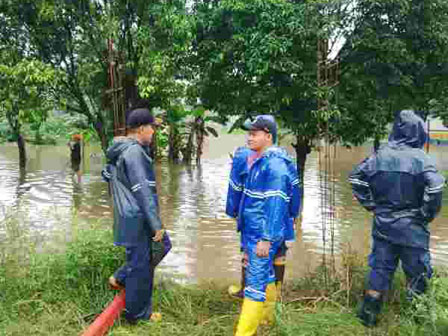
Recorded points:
(264,213)
(75,155)
(403,189)
(136,215)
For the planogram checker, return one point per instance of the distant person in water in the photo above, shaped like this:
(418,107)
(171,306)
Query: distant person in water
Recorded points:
(401,186)
(75,154)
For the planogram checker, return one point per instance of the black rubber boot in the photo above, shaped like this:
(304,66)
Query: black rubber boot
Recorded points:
(238,292)
(279,276)
(369,311)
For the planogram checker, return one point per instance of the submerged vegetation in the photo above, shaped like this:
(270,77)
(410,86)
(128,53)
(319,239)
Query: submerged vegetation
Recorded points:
(60,294)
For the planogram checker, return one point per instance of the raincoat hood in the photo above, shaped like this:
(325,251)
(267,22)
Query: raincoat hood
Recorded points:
(409,130)
(279,152)
(119,146)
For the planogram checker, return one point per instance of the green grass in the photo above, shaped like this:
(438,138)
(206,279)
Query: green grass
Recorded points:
(60,294)
(445,174)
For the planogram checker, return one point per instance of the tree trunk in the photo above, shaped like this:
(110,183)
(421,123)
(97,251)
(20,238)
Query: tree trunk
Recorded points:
(303,148)
(187,152)
(173,144)
(199,138)
(22,151)
(376,144)
(102,135)
(153,148)
(94,118)
(38,138)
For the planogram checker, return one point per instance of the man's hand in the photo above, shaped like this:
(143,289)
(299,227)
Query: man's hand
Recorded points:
(158,235)
(263,248)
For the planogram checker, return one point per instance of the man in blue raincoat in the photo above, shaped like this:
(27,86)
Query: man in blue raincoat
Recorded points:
(136,214)
(264,213)
(235,191)
(237,177)
(403,189)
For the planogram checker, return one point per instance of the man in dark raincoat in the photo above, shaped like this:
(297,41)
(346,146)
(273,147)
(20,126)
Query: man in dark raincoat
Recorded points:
(270,198)
(136,215)
(403,189)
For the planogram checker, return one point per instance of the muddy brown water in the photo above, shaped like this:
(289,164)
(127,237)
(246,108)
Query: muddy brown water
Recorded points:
(45,205)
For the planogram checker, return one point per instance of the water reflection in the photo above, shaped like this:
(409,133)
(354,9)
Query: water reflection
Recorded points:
(47,201)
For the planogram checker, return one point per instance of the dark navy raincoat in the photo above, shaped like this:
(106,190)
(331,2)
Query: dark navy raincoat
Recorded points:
(403,189)
(136,218)
(136,209)
(401,185)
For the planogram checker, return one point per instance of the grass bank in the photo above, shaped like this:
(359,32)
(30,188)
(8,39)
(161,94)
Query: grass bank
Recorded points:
(61,294)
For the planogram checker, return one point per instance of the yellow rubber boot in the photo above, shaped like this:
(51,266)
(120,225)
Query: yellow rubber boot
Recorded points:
(251,315)
(269,304)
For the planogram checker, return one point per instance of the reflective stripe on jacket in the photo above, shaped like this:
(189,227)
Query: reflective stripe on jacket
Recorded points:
(270,197)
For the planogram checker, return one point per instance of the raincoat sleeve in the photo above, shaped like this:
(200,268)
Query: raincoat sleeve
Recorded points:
(276,199)
(235,189)
(138,165)
(106,173)
(359,179)
(294,204)
(432,198)
(296,194)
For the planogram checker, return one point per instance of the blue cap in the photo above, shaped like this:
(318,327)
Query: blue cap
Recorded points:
(262,122)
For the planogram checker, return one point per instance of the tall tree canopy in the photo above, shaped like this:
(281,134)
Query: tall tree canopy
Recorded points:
(395,58)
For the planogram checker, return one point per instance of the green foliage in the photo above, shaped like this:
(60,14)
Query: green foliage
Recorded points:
(395,58)
(261,57)
(6,134)
(58,293)
(52,130)
(24,91)
(255,55)
(183,132)
(234,57)
(164,45)
(61,293)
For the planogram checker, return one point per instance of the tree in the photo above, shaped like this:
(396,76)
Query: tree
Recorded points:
(395,58)
(261,57)
(24,94)
(68,37)
(73,36)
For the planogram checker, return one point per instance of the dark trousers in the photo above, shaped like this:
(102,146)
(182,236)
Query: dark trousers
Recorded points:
(137,275)
(383,261)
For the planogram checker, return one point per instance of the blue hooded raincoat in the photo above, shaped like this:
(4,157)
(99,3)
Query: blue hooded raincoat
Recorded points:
(265,199)
(238,174)
(403,189)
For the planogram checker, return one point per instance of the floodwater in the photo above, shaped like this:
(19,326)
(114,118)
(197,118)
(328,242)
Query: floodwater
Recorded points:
(48,206)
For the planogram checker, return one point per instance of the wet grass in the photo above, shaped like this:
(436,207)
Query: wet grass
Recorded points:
(60,294)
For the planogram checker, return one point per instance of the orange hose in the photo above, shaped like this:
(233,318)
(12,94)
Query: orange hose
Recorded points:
(106,319)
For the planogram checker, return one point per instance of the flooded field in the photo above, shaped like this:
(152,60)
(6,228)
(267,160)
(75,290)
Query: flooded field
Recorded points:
(45,205)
